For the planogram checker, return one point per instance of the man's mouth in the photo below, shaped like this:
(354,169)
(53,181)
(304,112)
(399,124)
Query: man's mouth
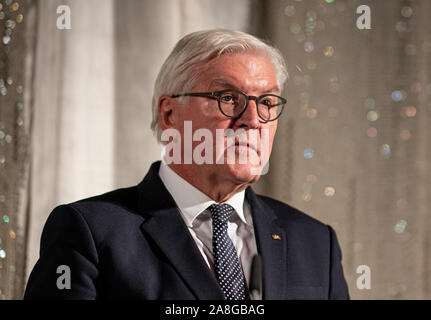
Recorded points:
(246,144)
(242,143)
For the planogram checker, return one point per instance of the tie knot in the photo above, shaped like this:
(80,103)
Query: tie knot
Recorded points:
(221,212)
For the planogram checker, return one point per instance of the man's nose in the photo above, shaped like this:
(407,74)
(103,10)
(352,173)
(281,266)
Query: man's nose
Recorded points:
(250,117)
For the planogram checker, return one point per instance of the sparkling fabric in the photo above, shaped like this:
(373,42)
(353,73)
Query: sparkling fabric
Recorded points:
(229,273)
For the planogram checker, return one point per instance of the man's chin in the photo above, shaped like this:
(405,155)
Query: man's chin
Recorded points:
(243,173)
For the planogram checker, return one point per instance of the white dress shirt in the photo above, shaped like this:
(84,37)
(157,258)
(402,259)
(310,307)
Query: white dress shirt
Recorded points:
(193,204)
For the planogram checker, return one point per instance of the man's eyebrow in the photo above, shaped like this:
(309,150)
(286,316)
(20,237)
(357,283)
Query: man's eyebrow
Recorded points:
(226,83)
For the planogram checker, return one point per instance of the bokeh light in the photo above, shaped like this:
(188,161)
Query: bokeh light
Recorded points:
(308,46)
(329,191)
(372,115)
(329,51)
(308,153)
(289,10)
(400,226)
(406,12)
(385,151)
(405,135)
(371,132)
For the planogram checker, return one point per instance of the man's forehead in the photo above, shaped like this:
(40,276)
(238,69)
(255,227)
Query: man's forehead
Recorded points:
(223,80)
(239,60)
(238,70)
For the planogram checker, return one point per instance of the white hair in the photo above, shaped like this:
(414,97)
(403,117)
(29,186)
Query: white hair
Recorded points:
(181,68)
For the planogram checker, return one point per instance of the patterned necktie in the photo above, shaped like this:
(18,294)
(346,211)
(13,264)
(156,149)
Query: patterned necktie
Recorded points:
(227,267)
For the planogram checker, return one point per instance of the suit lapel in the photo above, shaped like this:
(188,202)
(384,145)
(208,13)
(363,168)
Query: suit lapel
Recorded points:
(273,251)
(163,223)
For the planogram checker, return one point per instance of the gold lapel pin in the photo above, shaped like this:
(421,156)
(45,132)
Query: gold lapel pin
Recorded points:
(276,237)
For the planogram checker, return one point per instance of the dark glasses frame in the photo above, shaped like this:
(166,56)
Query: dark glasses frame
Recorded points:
(218,94)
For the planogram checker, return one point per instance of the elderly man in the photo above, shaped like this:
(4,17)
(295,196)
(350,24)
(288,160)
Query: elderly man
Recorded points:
(194,228)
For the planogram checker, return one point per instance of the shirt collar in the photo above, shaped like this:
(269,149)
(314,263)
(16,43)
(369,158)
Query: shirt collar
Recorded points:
(190,200)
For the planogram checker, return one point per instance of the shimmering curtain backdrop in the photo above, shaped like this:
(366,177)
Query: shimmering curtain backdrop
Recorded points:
(351,148)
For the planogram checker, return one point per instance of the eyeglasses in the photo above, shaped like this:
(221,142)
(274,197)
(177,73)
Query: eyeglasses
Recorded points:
(233,103)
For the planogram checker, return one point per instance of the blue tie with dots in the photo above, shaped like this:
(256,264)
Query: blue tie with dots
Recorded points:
(226,263)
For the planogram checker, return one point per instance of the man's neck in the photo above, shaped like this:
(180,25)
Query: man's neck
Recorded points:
(219,190)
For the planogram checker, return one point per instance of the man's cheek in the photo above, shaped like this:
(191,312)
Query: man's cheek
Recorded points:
(206,110)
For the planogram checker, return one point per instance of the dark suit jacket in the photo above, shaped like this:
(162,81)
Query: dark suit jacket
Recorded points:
(132,243)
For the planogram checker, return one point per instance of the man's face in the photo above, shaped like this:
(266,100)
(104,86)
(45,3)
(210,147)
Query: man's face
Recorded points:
(252,74)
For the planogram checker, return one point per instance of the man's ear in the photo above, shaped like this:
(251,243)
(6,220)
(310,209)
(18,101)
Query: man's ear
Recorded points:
(166,112)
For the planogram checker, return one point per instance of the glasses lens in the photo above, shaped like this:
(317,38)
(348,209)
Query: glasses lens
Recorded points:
(232,103)
(270,107)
